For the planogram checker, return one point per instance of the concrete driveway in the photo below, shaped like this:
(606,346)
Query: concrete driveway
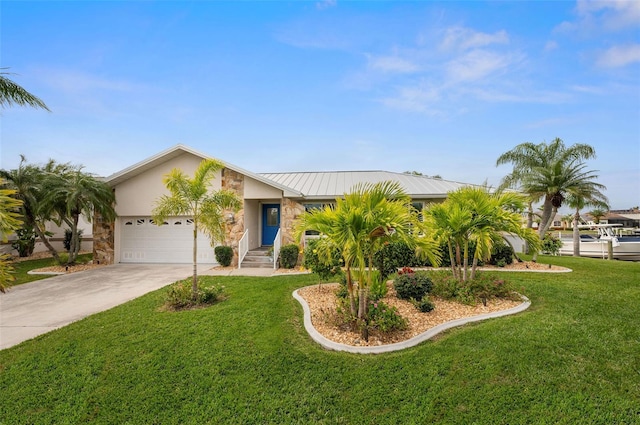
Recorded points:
(38,307)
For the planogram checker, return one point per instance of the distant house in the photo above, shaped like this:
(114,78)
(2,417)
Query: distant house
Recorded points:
(271,204)
(627,218)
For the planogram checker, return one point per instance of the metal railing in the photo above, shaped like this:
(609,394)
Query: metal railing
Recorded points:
(243,247)
(277,242)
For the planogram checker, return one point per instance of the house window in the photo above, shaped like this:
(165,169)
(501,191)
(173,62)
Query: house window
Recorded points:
(272,217)
(140,221)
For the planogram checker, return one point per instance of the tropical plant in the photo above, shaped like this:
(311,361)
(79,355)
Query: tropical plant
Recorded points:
(600,212)
(357,226)
(71,193)
(25,241)
(9,222)
(474,215)
(547,172)
(13,94)
(223,254)
(194,197)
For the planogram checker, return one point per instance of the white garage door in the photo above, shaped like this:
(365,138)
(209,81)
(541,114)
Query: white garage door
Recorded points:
(142,241)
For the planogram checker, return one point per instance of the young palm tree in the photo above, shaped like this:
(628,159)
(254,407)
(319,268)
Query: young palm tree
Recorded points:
(74,193)
(9,222)
(12,94)
(358,225)
(599,213)
(473,214)
(194,197)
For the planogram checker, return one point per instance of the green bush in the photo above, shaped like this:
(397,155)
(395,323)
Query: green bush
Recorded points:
(501,255)
(63,259)
(551,245)
(385,318)
(424,305)
(289,256)
(412,284)
(484,287)
(180,297)
(25,242)
(324,269)
(378,287)
(224,255)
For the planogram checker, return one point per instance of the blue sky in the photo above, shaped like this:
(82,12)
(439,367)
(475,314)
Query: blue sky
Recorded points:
(442,88)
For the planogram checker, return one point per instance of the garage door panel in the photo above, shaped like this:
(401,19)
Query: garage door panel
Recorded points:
(142,241)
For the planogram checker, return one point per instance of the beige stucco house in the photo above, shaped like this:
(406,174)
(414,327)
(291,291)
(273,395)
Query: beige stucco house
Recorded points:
(271,204)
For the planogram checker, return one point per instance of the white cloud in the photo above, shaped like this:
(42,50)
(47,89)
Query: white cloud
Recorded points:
(612,15)
(550,45)
(461,38)
(326,4)
(419,98)
(618,56)
(476,65)
(391,64)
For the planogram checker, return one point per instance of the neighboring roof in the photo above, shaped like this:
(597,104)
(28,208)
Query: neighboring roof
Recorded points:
(333,184)
(178,150)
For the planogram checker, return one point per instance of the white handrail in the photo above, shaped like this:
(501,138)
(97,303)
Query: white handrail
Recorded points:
(243,247)
(276,249)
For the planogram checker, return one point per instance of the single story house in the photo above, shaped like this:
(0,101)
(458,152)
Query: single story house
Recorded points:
(271,202)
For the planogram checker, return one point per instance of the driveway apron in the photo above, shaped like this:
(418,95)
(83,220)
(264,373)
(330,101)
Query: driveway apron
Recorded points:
(32,309)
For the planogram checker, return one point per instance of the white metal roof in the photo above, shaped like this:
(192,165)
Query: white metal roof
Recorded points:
(332,184)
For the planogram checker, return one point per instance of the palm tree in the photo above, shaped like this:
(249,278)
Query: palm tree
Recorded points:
(473,214)
(9,222)
(358,225)
(194,197)
(12,94)
(599,213)
(547,172)
(73,193)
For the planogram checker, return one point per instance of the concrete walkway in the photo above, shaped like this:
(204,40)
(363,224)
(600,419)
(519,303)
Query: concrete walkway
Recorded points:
(32,309)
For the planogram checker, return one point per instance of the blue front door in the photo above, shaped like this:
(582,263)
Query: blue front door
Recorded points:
(270,222)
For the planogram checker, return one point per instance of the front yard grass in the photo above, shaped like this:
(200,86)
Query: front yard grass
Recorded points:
(572,357)
(22,268)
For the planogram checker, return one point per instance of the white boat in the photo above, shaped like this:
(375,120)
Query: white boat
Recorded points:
(625,247)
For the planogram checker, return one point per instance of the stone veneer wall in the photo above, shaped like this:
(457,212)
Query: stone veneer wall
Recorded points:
(234,181)
(290,211)
(103,240)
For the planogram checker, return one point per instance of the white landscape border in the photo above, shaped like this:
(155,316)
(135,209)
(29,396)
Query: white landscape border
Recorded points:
(331,345)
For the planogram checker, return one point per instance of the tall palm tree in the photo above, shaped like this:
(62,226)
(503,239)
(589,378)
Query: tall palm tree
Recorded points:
(12,94)
(474,214)
(9,222)
(73,193)
(588,194)
(547,172)
(194,197)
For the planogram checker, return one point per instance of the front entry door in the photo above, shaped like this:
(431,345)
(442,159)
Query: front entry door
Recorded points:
(270,223)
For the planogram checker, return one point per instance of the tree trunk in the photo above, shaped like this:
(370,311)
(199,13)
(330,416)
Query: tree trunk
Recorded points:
(46,242)
(465,264)
(474,267)
(576,234)
(74,245)
(352,296)
(545,221)
(452,260)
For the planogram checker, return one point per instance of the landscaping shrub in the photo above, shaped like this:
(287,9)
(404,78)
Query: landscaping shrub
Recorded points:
(385,318)
(179,295)
(25,242)
(224,255)
(67,239)
(551,245)
(325,270)
(378,288)
(484,287)
(412,284)
(289,256)
(501,255)
(425,305)
(63,258)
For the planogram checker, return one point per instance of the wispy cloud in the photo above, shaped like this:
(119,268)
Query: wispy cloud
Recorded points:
(461,38)
(618,56)
(476,65)
(326,4)
(392,64)
(611,15)
(76,82)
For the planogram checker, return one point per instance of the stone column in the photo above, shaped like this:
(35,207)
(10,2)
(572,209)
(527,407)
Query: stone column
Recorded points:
(290,211)
(103,240)
(234,181)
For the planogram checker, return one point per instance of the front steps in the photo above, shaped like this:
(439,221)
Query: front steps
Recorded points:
(258,258)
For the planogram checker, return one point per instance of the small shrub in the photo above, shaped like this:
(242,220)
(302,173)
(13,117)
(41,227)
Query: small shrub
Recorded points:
(501,255)
(325,269)
(67,239)
(180,297)
(385,318)
(378,288)
(63,259)
(445,286)
(25,242)
(413,285)
(551,245)
(289,256)
(224,255)
(425,305)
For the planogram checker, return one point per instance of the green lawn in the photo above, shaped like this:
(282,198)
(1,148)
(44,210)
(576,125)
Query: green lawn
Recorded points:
(572,357)
(21,269)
